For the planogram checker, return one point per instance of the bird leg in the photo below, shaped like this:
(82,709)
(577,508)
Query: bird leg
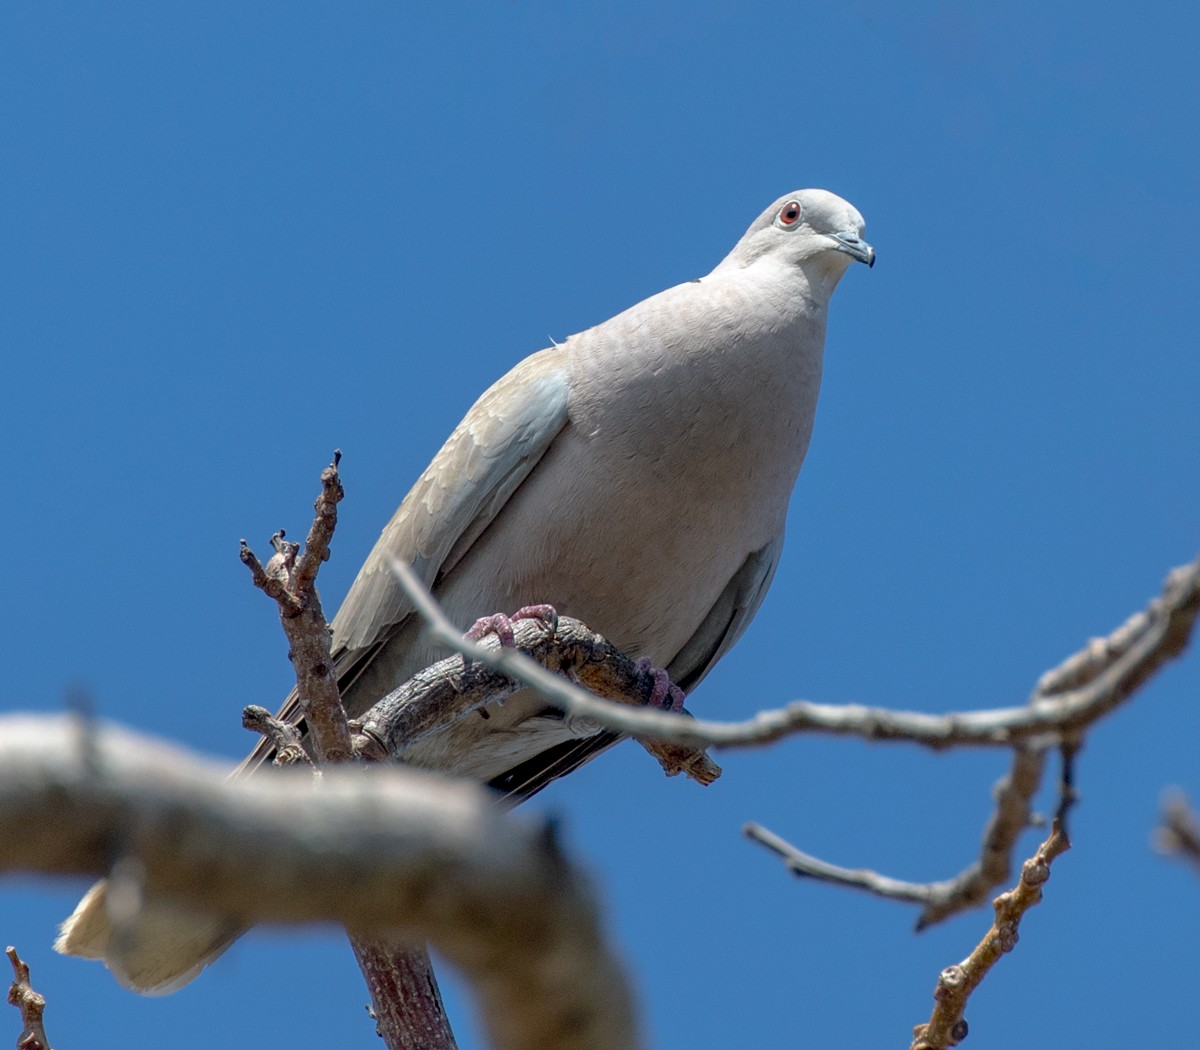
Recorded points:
(664,689)
(502,626)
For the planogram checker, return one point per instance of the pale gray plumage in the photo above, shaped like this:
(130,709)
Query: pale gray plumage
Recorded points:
(636,476)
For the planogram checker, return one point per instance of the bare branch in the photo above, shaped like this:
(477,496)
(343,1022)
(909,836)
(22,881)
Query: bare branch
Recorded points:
(274,583)
(306,629)
(30,1003)
(284,737)
(971,887)
(947,1026)
(290,576)
(804,864)
(430,859)
(1095,658)
(316,545)
(1110,669)
(940,900)
(406,1002)
(1012,814)
(1145,643)
(455,687)
(948,897)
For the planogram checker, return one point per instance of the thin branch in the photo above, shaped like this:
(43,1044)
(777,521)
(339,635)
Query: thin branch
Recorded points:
(275,583)
(806,865)
(316,545)
(290,577)
(31,1004)
(1145,643)
(307,633)
(1067,796)
(1067,699)
(430,859)
(1011,815)
(947,1026)
(1130,656)
(939,900)
(284,737)
(1095,658)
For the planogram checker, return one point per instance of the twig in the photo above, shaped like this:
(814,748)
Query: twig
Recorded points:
(1011,815)
(947,1026)
(1147,641)
(290,577)
(307,633)
(316,545)
(1067,796)
(803,864)
(284,737)
(30,1003)
(1144,642)
(942,899)
(429,859)
(1179,834)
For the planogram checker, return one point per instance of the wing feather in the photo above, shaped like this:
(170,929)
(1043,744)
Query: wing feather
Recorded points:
(491,452)
(485,460)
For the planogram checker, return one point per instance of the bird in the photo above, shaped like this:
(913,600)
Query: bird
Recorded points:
(635,476)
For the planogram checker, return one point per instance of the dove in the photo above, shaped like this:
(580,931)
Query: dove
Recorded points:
(635,476)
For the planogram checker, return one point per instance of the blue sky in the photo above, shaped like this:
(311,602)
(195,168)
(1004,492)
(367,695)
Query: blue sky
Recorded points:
(232,240)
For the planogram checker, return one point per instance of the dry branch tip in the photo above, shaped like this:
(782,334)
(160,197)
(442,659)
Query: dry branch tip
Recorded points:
(284,737)
(946,1026)
(31,1004)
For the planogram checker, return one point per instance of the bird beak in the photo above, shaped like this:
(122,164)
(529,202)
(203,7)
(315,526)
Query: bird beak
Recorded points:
(854,246)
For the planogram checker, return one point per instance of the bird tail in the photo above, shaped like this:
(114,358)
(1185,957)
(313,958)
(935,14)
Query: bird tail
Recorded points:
(156,951)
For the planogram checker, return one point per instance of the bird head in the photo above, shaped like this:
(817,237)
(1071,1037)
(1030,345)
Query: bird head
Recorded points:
(810,229)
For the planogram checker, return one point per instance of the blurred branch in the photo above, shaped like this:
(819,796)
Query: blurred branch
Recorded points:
(30,1003)
(1179,834)
(429,859)
(947,1026)
(1085,688)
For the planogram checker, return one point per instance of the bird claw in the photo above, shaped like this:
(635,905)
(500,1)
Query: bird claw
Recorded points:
(502,626)
(665,695)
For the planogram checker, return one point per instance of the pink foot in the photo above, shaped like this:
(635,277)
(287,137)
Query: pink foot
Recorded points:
(502,626)
(664,689)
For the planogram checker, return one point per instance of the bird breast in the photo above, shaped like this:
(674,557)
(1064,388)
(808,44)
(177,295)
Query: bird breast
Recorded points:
(697,435)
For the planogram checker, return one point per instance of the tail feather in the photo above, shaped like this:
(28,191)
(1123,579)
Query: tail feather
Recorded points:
(159,950)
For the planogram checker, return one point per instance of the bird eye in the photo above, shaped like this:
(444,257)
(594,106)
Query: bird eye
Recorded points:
(788,215)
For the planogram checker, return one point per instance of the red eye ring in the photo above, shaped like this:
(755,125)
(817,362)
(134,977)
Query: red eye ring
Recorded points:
(789,214)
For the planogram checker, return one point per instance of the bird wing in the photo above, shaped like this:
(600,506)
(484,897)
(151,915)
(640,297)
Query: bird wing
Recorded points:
(729,617)
(491,452)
